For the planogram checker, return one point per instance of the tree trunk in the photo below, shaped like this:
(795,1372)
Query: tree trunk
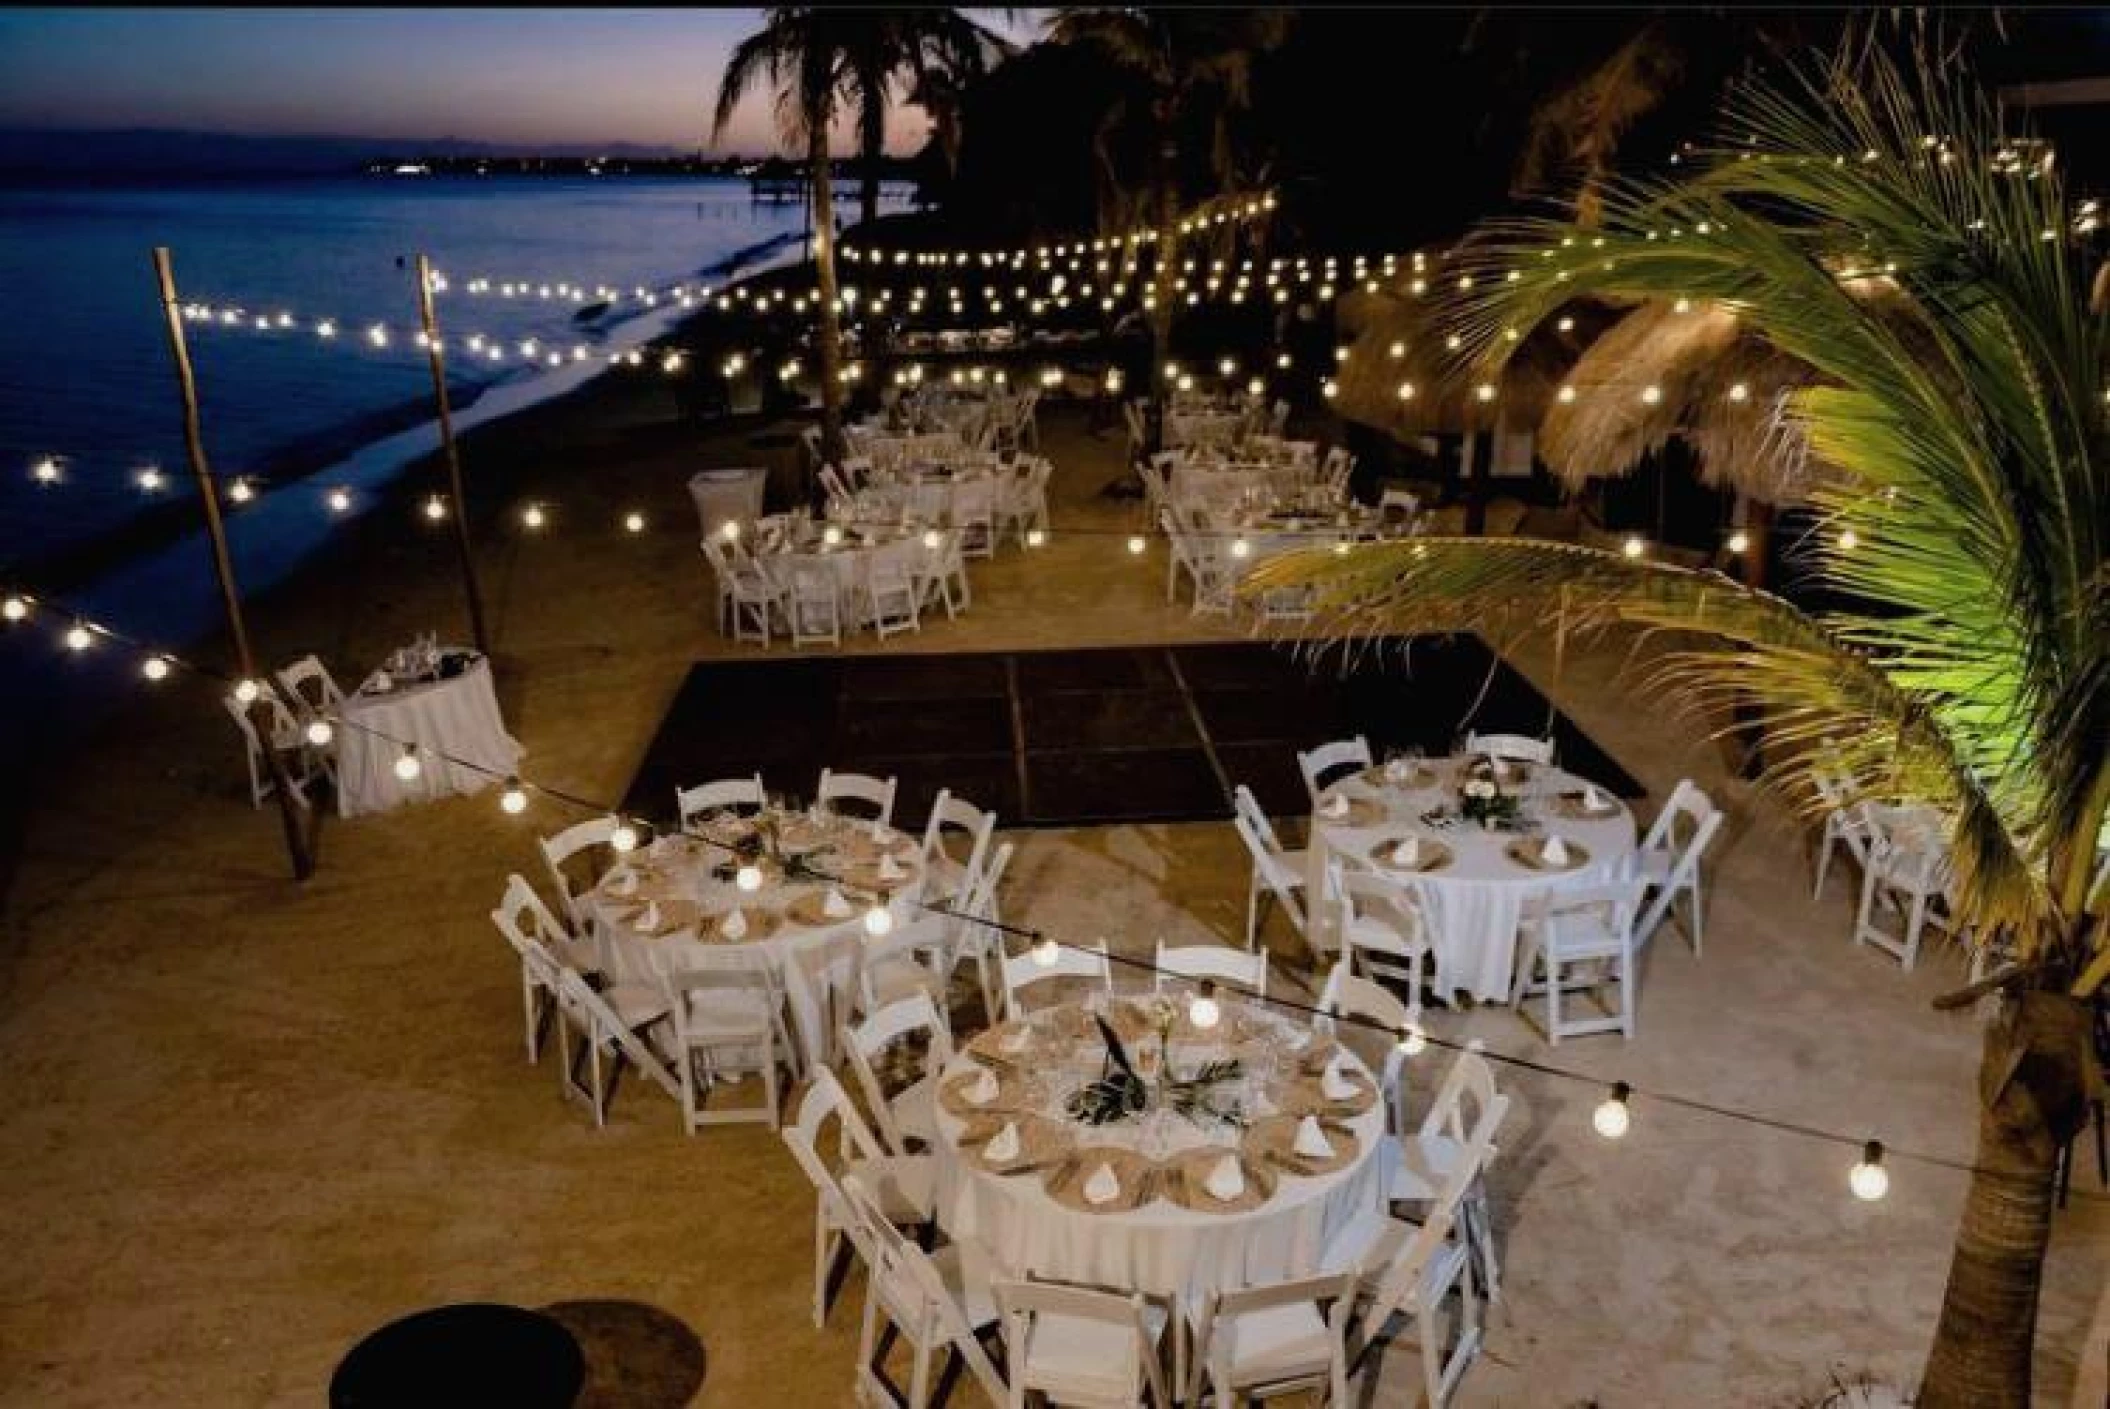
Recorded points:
(1163,289)
(1481,450)
(872,133)
(831,324)
(2033,1098)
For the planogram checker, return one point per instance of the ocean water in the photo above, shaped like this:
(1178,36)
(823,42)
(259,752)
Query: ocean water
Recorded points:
(86,374)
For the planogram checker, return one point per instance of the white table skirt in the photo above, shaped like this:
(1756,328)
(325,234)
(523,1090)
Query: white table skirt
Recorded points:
(1475,904)
(455,723)
(819,965)
(1159,1249)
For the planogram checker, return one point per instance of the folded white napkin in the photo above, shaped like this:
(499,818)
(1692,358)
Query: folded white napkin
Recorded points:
(1395,771)
(1408,852)
(734,926)
(982,1090)
(649,921)
(1003,1146)
(889,868)
(1311,1141)
(1103,1187)
(1336,806)
(1593,799)
(622,881)
(834,906)
(1012,1041)
(1227,1180)
(1334,1085)
(1554,852)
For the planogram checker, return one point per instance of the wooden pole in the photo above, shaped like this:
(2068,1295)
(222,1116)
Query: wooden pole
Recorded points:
(291,806)
(437,358)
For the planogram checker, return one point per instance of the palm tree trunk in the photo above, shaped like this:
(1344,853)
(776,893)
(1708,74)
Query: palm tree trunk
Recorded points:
(831,339)
(2033,1098)
(872,133)
(1164,292)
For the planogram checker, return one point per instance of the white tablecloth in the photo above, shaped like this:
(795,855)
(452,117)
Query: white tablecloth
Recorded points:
(1160,1249)
(455,724)
(1476,902)
(818,964)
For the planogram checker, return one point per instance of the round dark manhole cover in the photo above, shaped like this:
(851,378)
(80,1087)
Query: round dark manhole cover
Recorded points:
(472,1353)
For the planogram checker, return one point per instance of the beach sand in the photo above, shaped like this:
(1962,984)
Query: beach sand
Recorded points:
(252,1120)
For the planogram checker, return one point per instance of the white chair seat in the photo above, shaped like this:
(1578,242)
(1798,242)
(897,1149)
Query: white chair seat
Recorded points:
(1072,1358)
(1579,936)
(635,1004)
(1274,1342)
(897,977)
(1366,934)
(968,1281)
(915,1109)
(904,1186)
(1655,866)
(1373,1241)
(729,1014)
(1417,1167)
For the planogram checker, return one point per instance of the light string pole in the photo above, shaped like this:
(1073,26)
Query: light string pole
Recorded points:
(436,357)
(294,814)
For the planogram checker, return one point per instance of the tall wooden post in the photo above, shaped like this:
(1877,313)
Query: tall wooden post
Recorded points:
(437,357)
(292,808)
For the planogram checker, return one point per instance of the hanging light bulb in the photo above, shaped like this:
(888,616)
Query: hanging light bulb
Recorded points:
(1240,548)
(1739,393)
(1485,391)
(246,691)
(1739,542)
(1413,1041)
(879,920)
(340,501)
(79,638)
(931,539)
(1407,391)
(623,838)
(1036,537)
(748,877)
(633,522)
(514,799)
(1136,544)
(150,479)
(533,517)
(730,530)
(1848,540)
(1651,394)
(320,733)
(831,535)
(1203,1010)
(435,508)
(45,471)
(1045,952)
(408,766)
(240,492)
(14,608)
(155,667)
(1868,1179)
(1612,1117)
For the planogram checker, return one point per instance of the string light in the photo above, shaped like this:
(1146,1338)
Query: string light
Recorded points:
(1413,1040)
(155,668)
(246,692)
(340,501)
(1045,952)
(623,838)
(240,491)
(1739,393)
(435,508)
(408,765)
(514,799)
(15,608)
(1868,1179)
(1036,537)
(1634,547)
(79,638)
(1739,542)
(46,471)
(633,522)
(1203,1010)
(1137,543)
(1612,1116)
(1651,394)
(320,733)
(533,517)
(1848,540)
(150,479)
(879,920)
(748,877)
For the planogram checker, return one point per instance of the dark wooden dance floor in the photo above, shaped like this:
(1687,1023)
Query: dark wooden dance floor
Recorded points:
(1069,738)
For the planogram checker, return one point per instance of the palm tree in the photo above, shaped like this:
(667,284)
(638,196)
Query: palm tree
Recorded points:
(804,55)
(931,52)
(1194,72)
(1964,413)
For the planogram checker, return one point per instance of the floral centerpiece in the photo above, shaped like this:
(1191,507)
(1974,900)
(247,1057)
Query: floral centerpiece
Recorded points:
(761,844)
(1481,799)
(1121,1091)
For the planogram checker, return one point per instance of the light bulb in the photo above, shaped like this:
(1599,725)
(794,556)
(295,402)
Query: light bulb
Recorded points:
(435,508)
(1413,1041)
(730,530)
(1651,394)
(748,877)
(45,471)
(879,921)
(79,638)
(931,539)
(1240,548)
(408,766)
(320,733)
(340,501)
(1849,540)
(1565,395)
(14,608)
(1612,1117)
(1136,543)
(150,479)
(1868,1179)
(1203,1010)
(1634,547)
(1485,391)
(155,667)
(1406,391)
(246,691)
(1036,537)
(514,799)
(240,491)
(623,838)
(1340,548)
(1739,542)
(633,523)
(533,517)
(1045,952)
(1739,392)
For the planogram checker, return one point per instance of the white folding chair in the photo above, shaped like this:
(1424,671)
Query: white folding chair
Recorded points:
(876,793)
(537,939)
(1275,868)
(1383,929)
(747,599)
(902,1184)
(310,685)
(814,604)
(611,1025)
(975,934)
(1049,962)
(287,741)
(974,516)
(725,795)
(1846,823)
(909,959)
(1908,869)
(1668,860)
(1080,1346)
(1577,939)
(933,1302)
(1442,1165)
(882,1038)
(1405,500)
(892,595)
(1363,1016)
(1262,1341)
(948,876)
(1521,748)
(560,853)
(1412,1272)
(942,572)
(1321,765)
(728,1009)
(1213,963)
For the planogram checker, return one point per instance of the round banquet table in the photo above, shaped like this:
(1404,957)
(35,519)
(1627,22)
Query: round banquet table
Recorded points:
(1474,901)
(1162,1246)
(818,957)
(461,737)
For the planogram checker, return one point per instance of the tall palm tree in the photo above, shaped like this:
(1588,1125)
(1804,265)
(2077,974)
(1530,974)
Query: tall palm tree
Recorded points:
(1964,411)
(1194,73)
(930,53)
(803,54)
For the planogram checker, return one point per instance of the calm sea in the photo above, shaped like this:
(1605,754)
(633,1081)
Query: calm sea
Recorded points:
(85,372)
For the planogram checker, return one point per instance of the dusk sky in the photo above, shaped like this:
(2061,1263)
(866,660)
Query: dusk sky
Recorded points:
(510,76)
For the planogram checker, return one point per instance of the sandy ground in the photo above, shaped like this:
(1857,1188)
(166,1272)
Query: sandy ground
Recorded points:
(251,1120)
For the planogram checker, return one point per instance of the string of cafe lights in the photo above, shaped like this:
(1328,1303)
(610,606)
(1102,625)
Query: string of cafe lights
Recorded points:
(1612,1118)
